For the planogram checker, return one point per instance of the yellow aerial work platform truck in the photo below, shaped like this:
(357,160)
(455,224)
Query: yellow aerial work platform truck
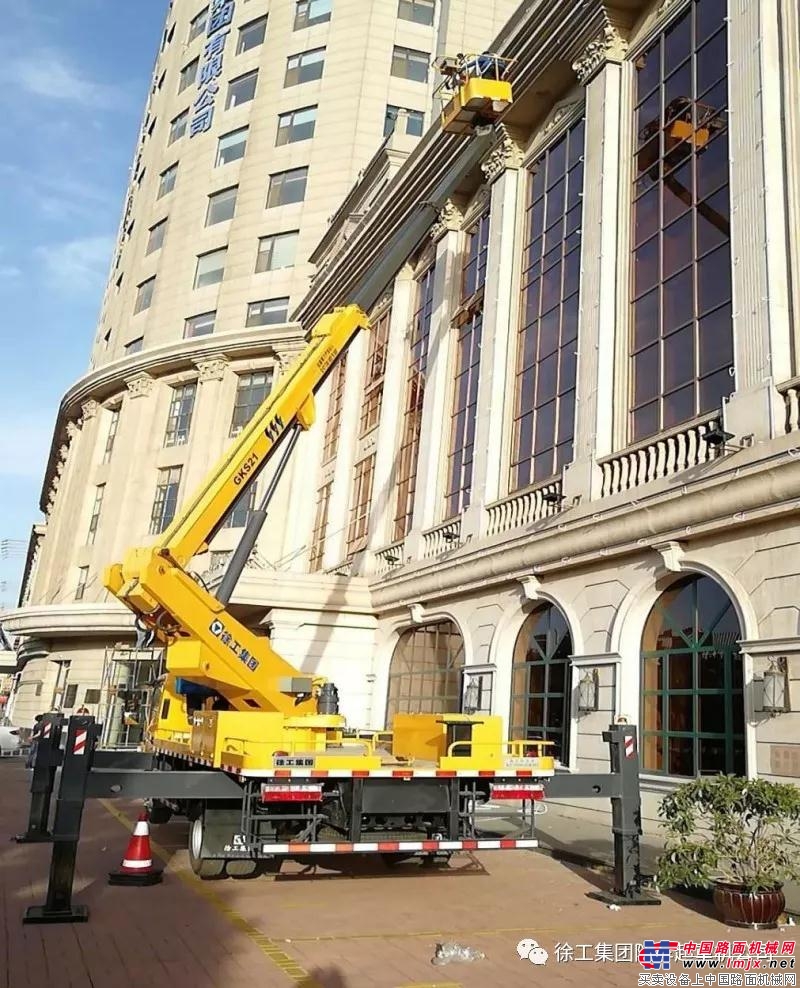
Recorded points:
(304,780)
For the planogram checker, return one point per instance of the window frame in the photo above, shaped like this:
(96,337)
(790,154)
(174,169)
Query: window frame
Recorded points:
(240,419)
(669,357)
(209,253)
(401,55)
(144,295)
(230,103)
(297,69)
(200,315)
(289,129)
(266,250)
(180,414)
(414,5)
(283,184)
(111,435)
(262,20)
(320,530)
(304,19)
(94,518)
(221,198)
(178,127)
(414,400)
(198,19)
(171,172)
(416,116)
(375,372)
(251,323)
(560,249)
(161,226)
(165,500)
(184,80)
(360,504)
(218,162)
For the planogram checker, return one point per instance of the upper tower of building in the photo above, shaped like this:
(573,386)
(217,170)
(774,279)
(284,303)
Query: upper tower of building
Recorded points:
(260,116)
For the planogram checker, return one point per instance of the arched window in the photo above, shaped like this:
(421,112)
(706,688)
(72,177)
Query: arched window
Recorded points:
(425,674)
(540,682)
(692,696)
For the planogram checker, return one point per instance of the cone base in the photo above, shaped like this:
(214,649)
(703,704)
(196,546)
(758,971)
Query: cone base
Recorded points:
(149,877)
(34,838)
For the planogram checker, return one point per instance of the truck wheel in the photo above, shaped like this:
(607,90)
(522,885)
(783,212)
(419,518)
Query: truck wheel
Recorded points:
(243,868)
(205,868)
(159,814)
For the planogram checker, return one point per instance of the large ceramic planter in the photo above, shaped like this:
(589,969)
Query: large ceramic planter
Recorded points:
(751,910)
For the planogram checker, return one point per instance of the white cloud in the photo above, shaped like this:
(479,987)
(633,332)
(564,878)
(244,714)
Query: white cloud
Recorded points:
(48,74)
(58,194)
(24,447)
(9,271)
(79,265)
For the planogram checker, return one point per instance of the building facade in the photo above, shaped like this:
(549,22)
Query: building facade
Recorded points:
(558,479)
(260,117)
(563,465)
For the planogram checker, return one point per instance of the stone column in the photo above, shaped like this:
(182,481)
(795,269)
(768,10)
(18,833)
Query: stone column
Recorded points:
(137,443)
(601,250)
(57,574)
(762,330)
(502,171)
(205,428)
(435,426)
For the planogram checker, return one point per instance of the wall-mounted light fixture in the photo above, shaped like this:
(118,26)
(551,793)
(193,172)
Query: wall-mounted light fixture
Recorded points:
(588,691)
(776,686)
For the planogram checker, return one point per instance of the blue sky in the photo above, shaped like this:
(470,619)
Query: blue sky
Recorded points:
(75,75)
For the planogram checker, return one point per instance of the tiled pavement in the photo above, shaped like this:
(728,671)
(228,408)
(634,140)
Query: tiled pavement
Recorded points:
(366,927)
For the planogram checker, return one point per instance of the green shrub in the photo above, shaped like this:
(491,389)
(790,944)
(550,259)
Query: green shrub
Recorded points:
(728,829)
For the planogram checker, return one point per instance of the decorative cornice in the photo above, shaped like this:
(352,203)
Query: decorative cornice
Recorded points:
(450,219)
(664,6)
(73,431)
(211,368)
(417,613)
(611,47)
(140,385)
(506,154)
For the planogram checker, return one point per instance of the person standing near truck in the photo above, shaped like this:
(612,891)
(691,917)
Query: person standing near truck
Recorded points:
(34,741)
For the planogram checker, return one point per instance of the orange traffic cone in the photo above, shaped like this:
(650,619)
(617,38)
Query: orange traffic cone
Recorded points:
(137,865)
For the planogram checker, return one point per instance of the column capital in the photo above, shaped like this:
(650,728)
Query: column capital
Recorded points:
(211,368)
(611,46)
(450,218)
(140,385)
(89,409)
(506,154)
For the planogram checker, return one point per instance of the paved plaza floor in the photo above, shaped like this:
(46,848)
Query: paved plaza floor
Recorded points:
(343,923)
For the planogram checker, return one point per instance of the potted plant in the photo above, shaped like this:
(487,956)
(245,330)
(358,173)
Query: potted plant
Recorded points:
(739,837)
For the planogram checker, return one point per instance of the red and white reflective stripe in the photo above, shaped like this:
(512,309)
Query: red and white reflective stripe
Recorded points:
(46,730)
(630,746)
(137,865)
(394,847)
(516,791)
(79,747)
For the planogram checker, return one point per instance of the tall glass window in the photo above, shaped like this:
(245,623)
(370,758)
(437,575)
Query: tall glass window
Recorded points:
(544,413)
(681,345)
(540,700)
(692,683)
(426,670)
(406,483)
(378,339)
(469,331)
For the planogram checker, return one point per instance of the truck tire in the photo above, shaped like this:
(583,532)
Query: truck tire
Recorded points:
(159,813)
(205,868)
